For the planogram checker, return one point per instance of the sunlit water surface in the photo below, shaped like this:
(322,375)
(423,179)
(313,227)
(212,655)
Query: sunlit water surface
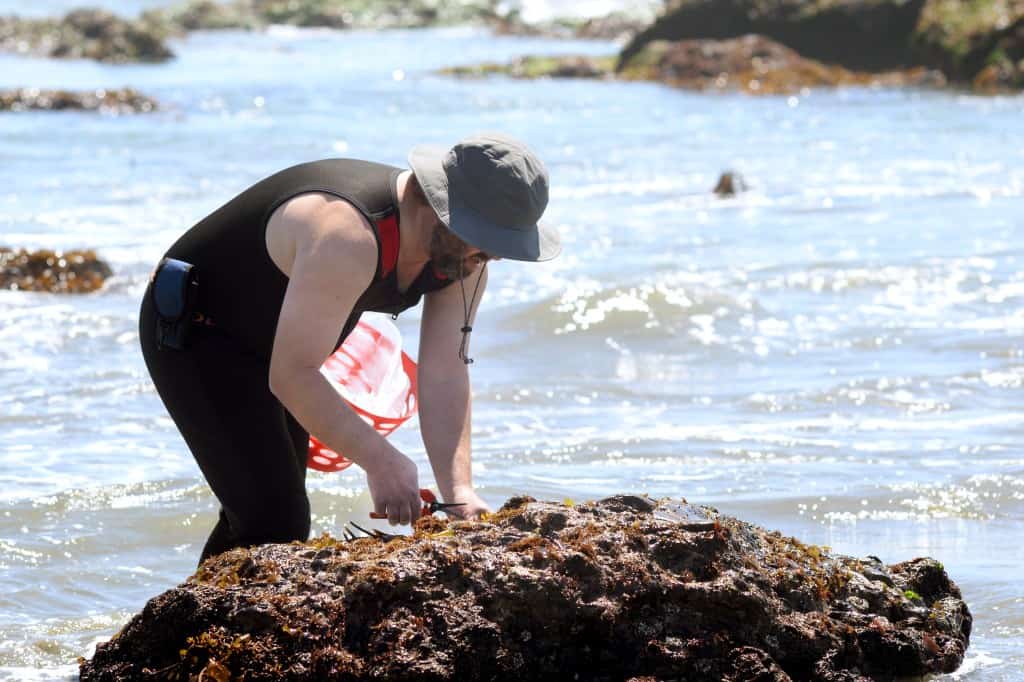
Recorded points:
(837,353)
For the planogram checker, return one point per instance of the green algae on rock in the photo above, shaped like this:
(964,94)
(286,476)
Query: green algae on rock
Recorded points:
(121,101)
(539,67)
(67,272)
(85,34)
(626,587)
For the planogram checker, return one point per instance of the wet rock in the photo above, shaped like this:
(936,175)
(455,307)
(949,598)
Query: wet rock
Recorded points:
(67,272)
(85,34)
(539,67)
(623,588)
(730,184)
(123,101)
(752,64)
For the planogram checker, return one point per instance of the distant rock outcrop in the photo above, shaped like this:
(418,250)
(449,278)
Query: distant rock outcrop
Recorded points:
(85,34)
(624,588)
(753,64)
(539,67)
(67,272)
(122,101)
(967,41)
(364,14)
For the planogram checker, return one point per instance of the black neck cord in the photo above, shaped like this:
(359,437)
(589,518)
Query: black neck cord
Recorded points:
(467,307)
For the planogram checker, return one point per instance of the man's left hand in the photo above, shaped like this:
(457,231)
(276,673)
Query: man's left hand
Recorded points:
(473,505)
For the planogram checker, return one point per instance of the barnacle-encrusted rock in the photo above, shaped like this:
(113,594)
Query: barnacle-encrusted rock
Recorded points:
(85,34)
(611,590)
(64,272)
(122,101)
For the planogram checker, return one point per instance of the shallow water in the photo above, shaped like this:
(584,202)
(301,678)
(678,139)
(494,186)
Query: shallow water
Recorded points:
(837,353)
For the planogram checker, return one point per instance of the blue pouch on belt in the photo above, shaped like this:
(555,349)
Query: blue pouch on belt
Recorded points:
(174,297)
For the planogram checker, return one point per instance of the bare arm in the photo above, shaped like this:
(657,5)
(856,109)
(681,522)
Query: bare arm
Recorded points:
(446,403)
(334,260)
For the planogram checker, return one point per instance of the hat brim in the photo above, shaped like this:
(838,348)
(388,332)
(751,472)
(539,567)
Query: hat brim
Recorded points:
(532,242)
(427,162)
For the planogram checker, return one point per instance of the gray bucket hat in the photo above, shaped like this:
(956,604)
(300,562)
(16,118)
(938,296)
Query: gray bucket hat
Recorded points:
(490,190)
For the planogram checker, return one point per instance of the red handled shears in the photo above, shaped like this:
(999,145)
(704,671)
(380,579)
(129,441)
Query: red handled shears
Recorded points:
(430,505)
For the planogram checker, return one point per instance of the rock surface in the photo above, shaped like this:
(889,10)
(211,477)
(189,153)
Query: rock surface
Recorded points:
(962,39)
(123,101)
(624,588)
(68,272)
(85,34)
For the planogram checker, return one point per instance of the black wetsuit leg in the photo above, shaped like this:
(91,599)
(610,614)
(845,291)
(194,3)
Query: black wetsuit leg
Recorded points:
(250,449)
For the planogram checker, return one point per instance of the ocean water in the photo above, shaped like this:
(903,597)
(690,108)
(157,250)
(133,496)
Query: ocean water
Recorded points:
(837,353)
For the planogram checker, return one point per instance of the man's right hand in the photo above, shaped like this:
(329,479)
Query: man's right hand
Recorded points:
(394,485)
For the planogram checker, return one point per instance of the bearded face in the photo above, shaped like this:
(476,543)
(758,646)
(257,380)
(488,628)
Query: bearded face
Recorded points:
(448,254)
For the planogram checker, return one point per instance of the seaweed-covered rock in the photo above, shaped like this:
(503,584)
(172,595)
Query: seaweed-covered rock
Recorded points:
(753,64)
(621,588)
(122,101)
(85,34)
(67,272)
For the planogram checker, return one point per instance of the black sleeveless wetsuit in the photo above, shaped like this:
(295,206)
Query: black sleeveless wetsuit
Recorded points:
(250,449)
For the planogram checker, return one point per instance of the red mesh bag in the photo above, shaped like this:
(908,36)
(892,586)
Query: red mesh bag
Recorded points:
(375,377)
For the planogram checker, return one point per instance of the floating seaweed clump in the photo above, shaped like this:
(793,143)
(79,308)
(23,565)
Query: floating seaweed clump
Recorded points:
(623,588)
(72,272)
